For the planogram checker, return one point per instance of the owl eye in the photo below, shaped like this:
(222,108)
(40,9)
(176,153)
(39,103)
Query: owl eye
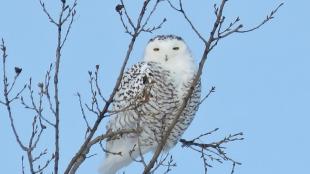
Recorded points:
(156,49)
(175,48)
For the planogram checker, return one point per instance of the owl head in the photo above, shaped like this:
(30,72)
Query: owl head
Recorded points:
(167,49)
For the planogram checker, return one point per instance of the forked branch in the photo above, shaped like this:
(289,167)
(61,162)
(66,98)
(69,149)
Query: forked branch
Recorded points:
(37,126)
(214,151)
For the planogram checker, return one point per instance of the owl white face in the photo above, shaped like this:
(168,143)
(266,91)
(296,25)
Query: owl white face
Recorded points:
(166,50)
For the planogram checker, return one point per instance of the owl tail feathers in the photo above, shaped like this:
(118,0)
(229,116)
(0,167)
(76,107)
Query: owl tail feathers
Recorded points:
(108,168)
(113,163)
(129,150)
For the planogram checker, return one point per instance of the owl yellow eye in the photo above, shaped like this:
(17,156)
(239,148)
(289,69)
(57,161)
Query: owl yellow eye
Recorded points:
(156,49)
(175,48)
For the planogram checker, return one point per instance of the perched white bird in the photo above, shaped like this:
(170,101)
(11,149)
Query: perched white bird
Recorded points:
(149,97)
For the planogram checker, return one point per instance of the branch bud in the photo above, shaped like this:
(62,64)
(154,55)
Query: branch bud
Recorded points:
(40,85)
(18,70)
(119,8)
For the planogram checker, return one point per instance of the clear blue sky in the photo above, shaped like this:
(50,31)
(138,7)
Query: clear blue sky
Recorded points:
(262,79)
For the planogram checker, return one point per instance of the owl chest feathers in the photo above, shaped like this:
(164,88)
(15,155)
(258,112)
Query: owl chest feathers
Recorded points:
(180,73)
(150,93)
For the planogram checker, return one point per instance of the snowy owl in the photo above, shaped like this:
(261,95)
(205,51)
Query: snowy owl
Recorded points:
(149,97)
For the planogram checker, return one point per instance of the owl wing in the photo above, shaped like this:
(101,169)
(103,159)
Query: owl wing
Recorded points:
(131,92)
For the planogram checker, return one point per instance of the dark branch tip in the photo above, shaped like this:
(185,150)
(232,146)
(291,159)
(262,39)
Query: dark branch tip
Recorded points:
(119,8)
(18,70)
(40,85)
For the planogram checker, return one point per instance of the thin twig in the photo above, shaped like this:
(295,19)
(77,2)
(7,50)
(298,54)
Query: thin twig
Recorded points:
(127,16)
(214,150)
(13,84)
(6,96)
(88,128)
(93,91)
(212,90)
(97,85)
(71,13)
(150,30)
(18,94)
(181,10)
(268,18)
(233,168)
(47,13)
(46,90)
(23,166)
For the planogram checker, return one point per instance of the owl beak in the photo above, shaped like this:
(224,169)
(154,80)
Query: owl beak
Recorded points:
(166,58)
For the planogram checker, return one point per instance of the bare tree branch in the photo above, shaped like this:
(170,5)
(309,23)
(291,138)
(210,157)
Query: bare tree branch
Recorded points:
(23,166)
(127,16)
(37,126)
(181,10)
(66,12)
(71,13)
(97,85)
(88,128)
(81,158)
(213,151)
(47,13)
(209,45)
(233,168)
(46,88)
(268,18)
(6,95)
(150,30)
(137,29)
